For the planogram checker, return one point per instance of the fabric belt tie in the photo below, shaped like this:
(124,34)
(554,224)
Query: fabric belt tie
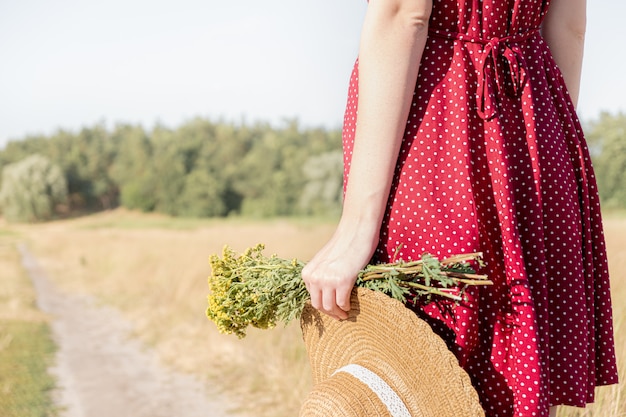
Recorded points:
(502,69)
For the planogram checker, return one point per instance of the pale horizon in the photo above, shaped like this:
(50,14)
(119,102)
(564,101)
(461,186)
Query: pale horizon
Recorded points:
(72,65)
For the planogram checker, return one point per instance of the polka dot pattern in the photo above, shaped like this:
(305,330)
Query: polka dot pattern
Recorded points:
(494,160)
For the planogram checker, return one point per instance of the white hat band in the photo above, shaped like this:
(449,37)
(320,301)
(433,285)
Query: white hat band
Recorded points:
(385,393)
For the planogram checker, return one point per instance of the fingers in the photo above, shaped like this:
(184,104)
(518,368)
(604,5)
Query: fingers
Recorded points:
(343,298)
(330,296)
(329,305)
(326,301)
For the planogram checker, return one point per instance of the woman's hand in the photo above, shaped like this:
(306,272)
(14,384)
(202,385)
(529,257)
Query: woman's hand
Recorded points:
(331,274)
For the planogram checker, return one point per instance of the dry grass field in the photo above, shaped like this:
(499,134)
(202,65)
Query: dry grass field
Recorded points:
(26,346)
(154,269)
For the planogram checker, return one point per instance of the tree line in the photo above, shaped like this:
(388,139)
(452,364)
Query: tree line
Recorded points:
(215,169)
(199,169)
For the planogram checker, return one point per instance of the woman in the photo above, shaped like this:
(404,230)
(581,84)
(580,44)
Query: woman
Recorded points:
(466,139)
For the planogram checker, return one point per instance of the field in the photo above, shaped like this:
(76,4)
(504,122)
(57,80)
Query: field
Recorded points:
(154,269)
(26,348)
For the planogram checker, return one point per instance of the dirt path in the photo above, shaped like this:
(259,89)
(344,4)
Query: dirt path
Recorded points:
(102,371)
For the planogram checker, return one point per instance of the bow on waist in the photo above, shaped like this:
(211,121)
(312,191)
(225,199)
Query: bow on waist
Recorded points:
(502,69)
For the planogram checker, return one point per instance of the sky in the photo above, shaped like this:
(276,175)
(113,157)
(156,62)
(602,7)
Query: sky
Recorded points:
(70,64)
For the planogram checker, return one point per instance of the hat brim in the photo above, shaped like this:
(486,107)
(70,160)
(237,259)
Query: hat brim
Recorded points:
(390,340)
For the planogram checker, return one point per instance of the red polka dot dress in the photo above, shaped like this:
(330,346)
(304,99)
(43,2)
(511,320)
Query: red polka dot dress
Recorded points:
(494,160)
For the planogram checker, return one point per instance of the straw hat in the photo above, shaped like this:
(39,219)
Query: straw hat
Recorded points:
(382,361)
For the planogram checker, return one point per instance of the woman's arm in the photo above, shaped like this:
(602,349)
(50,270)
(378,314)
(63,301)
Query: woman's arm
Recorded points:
(564,30)
(392,41)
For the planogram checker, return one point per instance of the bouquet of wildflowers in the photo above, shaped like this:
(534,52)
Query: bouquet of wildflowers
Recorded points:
(255,290)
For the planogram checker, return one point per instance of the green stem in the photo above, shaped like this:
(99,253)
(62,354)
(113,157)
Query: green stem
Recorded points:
(462,258)
(430,290)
